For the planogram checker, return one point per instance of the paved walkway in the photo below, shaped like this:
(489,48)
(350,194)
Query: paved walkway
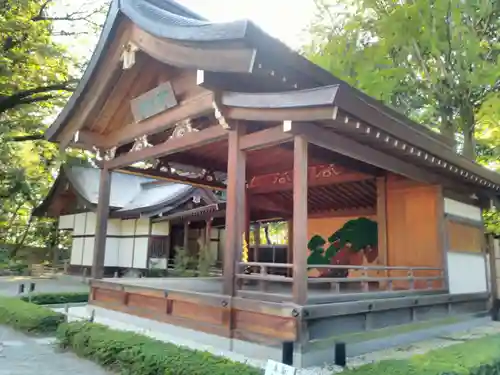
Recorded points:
(9,285)
(24,355)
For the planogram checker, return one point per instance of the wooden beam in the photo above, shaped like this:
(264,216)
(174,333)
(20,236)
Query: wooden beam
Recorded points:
(382,219)
(264,138)
(172,177)
(102,83)
(101,224)
(338,143)
(300,221)
(90,139)
(318,175)
(171,146)
(235,208)
(314,97)
(287,114)
(191,107)
(354,212)
(214,59)
(185,242)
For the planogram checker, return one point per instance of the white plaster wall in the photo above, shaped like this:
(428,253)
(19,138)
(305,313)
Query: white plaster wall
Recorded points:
(114,227)
(91,221)
(128,227)
(111,256)
(80,222)
(140,253)
(66,222)
(460,209)
(161,229)
(466,273)
(126,250)
(76,251)
(88,251)
(142,227)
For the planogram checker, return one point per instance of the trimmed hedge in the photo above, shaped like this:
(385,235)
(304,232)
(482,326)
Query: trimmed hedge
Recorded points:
(57,298)
(28,317)
(131,353)
(475,357)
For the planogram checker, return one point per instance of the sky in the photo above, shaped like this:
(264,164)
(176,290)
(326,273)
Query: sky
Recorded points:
(283,19)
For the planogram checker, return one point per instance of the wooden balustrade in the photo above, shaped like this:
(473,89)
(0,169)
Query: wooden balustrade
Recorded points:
(412,278)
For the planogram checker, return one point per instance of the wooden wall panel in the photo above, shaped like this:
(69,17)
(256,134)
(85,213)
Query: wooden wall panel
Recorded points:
(202,313)
(463,237)
(147,302)
(271,326)
(412,221)
(107,295)
(413,228)
(195,313)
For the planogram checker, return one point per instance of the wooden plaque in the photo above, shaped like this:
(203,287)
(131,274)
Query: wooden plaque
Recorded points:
(153,102)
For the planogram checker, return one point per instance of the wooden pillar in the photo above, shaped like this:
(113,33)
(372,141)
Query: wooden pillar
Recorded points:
(208,232)
(235,208)
(247,218)
(382,223)
(300,164)
(257,242)
(101,224)
(442,232)
(185,242)
(290,247)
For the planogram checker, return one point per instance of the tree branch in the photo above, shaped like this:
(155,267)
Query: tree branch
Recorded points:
(26,96)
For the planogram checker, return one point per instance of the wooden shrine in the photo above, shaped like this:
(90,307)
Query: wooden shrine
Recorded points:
(384,216)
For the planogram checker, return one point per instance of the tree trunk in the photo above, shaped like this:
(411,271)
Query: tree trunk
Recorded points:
(468,126)
(268,238)
(448,129)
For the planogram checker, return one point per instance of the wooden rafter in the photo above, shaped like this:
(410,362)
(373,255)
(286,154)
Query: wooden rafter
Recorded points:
(264,138)
(318,175)
(171,146)
(341,144)
(168,176)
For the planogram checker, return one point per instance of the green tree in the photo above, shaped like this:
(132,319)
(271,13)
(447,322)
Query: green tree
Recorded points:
(37,75)
(436,61)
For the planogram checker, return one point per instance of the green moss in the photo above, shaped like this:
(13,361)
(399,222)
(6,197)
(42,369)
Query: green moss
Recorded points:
(481,356)
(28,317)
(352,338)
(131,353)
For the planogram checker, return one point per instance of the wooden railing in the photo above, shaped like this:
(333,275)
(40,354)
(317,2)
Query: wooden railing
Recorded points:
(386,278)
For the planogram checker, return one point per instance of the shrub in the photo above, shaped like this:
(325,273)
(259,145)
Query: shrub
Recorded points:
(475,357)
(131,353)
(56,298)
(28,317)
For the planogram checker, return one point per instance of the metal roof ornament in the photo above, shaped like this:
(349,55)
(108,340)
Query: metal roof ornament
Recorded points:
(128,55)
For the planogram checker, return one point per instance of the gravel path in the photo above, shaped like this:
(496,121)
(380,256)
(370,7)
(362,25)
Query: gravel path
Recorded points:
(24,355)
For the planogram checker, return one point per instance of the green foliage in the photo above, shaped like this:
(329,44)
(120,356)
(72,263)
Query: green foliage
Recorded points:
(57,298)
(28,317)
(206,260)
(131,353)
(361,233)
(437,62)
(184,263)
(470,358)
(315,246)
